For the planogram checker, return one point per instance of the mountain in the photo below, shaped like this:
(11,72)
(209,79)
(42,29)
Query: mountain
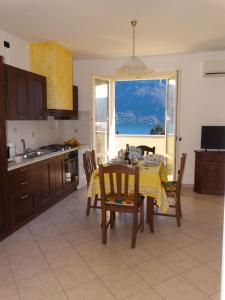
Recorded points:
(140,101)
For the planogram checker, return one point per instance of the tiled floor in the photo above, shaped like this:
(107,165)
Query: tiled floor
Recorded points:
(59,255)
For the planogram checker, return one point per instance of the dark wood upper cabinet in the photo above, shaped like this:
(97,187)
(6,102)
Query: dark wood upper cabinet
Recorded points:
(24,95)
(38,96)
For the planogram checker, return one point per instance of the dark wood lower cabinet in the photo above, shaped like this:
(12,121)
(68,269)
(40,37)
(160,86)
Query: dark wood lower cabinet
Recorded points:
(24,206)
(58,176)
(210,172)
(35,188)
(45,184)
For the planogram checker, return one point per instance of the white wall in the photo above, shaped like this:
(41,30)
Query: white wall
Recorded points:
(202,101)
(18,53)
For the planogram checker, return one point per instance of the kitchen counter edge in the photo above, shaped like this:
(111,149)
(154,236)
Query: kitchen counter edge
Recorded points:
(14,165)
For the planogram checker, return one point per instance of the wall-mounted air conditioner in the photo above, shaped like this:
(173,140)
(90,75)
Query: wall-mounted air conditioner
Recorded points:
(214,68)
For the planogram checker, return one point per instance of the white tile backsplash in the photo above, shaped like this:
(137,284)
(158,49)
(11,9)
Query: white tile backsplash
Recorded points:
(40,133)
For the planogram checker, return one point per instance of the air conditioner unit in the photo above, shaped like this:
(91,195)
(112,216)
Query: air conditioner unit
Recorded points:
(214,68)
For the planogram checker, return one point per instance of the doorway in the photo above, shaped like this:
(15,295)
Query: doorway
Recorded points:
(107,139)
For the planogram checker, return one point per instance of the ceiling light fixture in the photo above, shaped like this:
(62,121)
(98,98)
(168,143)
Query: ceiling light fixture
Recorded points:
(133,66)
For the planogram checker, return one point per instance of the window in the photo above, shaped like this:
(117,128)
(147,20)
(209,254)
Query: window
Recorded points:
(140,107)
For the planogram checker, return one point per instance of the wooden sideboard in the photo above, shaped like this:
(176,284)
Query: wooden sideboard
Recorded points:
(209,172)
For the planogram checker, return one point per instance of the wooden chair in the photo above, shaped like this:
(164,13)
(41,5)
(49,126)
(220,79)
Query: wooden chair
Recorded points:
(146,149)
(116,198)
(89,167)
(173,189)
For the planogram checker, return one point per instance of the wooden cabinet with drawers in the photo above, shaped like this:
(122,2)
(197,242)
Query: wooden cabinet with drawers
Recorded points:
(34,188)
(22,194)
(210,172)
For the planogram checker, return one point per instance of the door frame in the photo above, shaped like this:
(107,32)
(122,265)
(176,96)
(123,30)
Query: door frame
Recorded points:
(110,119)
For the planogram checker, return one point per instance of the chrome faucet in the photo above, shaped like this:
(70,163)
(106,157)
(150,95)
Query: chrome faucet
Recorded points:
(24,145)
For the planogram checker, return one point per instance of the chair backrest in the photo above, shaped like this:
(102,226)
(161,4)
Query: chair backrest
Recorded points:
(181,172)
(115,182)
(89,164)
(146,149)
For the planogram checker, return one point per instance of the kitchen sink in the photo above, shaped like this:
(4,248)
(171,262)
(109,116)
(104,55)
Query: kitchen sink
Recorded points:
(34,154)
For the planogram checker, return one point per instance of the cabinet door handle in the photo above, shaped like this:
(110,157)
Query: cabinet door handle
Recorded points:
(25,196)
(23,169)
(24,182)
(22,117)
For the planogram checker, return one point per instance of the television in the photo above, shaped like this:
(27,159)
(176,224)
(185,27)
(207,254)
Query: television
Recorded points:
(213,137)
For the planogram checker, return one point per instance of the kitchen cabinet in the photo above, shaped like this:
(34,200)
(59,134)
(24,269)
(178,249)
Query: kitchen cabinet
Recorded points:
(23,195)
(35,188)
(24,95)
(58,176)
(209,172)
(38,96)
(4,203)
(45,186)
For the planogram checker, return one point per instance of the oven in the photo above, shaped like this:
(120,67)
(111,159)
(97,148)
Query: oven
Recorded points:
(71,167)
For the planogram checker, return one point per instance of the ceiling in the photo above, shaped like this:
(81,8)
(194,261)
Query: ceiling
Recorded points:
(101,28)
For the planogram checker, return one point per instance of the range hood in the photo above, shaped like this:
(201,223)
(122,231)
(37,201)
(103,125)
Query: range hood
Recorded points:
(54,61)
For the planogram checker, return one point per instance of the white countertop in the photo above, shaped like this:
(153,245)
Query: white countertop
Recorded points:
(14,165)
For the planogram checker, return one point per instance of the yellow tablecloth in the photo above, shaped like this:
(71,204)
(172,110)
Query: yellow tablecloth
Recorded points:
(149,184)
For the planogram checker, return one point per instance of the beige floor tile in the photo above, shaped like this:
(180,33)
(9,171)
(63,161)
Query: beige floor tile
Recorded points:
(3,258)
(131,257)
(74,275)
(204,278)
(9,292)
(179,261)
(79,237)
(56,209)
(179,239)
(178,289)
(105,264)
(153,271)
(205,251)
(29,266)
(216,296)
(69,226)
(47,232)
(94,290)
(38,286)
(158,247)
(26,249)
(145,294)
(57,296)
(63,257)
(55,243)
(60,217)
(6,276)
(92,249)
(216,265)
(124,283)
(39,223)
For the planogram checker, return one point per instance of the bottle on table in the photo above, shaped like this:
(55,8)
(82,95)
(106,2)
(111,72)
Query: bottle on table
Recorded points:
(126,156)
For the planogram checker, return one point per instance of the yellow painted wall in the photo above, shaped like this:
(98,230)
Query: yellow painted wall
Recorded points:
(54,61)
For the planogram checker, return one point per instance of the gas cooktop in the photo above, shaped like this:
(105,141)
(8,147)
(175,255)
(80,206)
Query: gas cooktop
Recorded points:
(56,147)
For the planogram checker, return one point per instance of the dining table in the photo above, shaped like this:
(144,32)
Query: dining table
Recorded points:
(151,178)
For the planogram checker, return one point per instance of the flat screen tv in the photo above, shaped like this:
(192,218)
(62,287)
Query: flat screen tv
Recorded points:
(213,137)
